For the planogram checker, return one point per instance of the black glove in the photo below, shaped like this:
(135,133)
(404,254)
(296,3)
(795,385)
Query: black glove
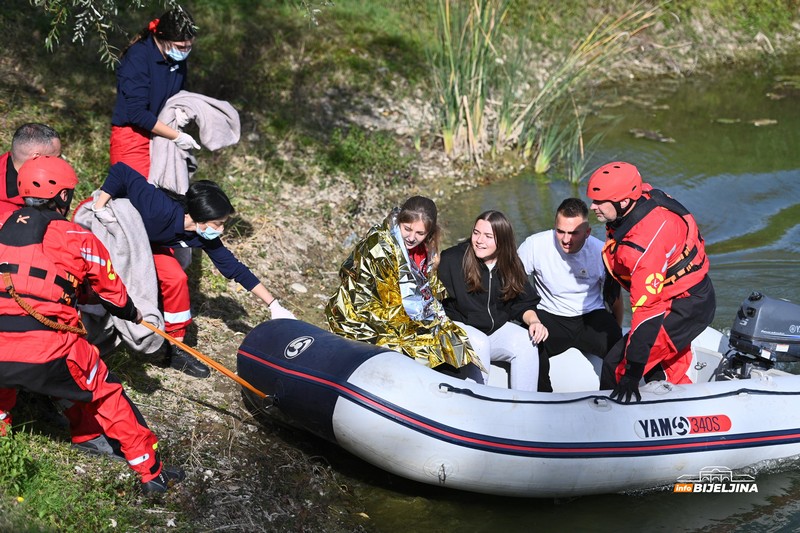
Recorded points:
(628,385)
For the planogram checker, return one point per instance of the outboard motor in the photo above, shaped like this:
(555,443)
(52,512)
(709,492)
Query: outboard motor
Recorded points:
(765,331)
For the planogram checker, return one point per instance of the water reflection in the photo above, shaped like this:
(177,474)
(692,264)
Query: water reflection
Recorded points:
(773,508)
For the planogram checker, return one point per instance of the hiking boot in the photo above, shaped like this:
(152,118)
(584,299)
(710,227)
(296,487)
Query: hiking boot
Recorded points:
(101,445)
(164,480)
(180,360)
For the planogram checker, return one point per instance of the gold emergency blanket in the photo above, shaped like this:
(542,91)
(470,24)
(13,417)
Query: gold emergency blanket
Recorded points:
(377,278)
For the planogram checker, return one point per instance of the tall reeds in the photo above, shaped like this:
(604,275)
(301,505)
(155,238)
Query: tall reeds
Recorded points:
(464,66)
(486,104)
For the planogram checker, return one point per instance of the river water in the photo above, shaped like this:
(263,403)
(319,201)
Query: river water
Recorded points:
(737,171)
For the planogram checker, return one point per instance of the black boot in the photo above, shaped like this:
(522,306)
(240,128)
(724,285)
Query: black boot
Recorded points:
(186,363)
(164,480)
(101,445)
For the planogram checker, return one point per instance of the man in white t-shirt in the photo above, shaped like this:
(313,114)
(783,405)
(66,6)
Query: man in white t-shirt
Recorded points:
(569,275)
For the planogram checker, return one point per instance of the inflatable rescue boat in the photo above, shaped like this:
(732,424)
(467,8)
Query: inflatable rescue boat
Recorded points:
(741,411)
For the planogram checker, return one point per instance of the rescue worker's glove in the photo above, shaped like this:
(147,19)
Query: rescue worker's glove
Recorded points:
(278,311)
(628,385)
(185,141)
(139,317)
(181,118)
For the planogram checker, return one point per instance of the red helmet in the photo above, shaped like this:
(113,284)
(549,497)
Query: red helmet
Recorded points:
(614,182)
(45,177)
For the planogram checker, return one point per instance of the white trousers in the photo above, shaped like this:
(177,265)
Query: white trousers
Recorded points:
(510,343)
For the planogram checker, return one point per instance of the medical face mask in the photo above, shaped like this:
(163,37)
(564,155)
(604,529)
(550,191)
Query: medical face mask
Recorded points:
(209,233)
(177,55)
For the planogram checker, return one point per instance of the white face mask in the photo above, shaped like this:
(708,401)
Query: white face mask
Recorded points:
(177,55)
(209,233)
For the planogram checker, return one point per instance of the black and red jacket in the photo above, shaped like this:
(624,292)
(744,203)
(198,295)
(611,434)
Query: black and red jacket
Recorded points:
(657,253)
(46,258)
(10,200)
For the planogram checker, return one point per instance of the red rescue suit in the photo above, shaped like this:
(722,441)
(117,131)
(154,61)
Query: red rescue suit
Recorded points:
(657,253)
(10,200)
(43,259)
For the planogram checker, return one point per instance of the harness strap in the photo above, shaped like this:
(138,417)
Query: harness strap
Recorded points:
(683,266)
(657,198)
(52,324)
(68,285)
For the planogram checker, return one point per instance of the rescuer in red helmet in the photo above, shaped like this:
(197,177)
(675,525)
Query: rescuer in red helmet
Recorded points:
(44,258)
(655,250)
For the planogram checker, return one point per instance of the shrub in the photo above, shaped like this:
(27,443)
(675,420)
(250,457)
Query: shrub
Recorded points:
(16,464)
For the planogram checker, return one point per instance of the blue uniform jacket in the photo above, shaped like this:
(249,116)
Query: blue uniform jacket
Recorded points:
(163,220)
(145,81)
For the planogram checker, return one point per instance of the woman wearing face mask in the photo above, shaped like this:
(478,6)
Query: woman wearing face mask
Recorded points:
(194,220)
(487,289)
(389,291)
(152,69)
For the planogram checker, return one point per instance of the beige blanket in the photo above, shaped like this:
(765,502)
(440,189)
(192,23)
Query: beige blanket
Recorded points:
(218,122)
(120,228)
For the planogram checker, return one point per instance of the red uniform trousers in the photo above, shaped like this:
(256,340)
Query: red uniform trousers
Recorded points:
(131,145)
(671,353)
(99,401)
(173,284)
(674,363)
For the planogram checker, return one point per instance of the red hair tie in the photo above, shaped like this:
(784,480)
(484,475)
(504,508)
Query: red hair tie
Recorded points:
(152,26)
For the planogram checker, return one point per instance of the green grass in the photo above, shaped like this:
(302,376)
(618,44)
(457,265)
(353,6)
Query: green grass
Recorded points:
(265,58)
(359,154)
(16,465)
(58,489)
(751,16)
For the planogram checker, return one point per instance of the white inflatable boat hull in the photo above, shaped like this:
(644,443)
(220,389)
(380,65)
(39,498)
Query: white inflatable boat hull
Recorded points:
(420,424)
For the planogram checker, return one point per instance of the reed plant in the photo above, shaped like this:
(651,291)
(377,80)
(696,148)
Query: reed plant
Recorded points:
(475,79)
(608,41)
(577,151)
(464,65)
(511,82)
(544,143)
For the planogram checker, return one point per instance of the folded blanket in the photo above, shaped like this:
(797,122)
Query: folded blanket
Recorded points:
(218,122)
(120,228)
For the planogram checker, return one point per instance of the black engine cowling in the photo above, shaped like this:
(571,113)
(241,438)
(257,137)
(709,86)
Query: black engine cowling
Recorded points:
(767,328)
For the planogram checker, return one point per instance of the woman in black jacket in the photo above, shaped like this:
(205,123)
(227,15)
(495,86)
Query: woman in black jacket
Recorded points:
(487,291)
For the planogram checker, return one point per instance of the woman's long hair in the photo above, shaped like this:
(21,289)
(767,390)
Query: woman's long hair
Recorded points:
(175,25)
(204,201)
(421,208)
(508,265)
